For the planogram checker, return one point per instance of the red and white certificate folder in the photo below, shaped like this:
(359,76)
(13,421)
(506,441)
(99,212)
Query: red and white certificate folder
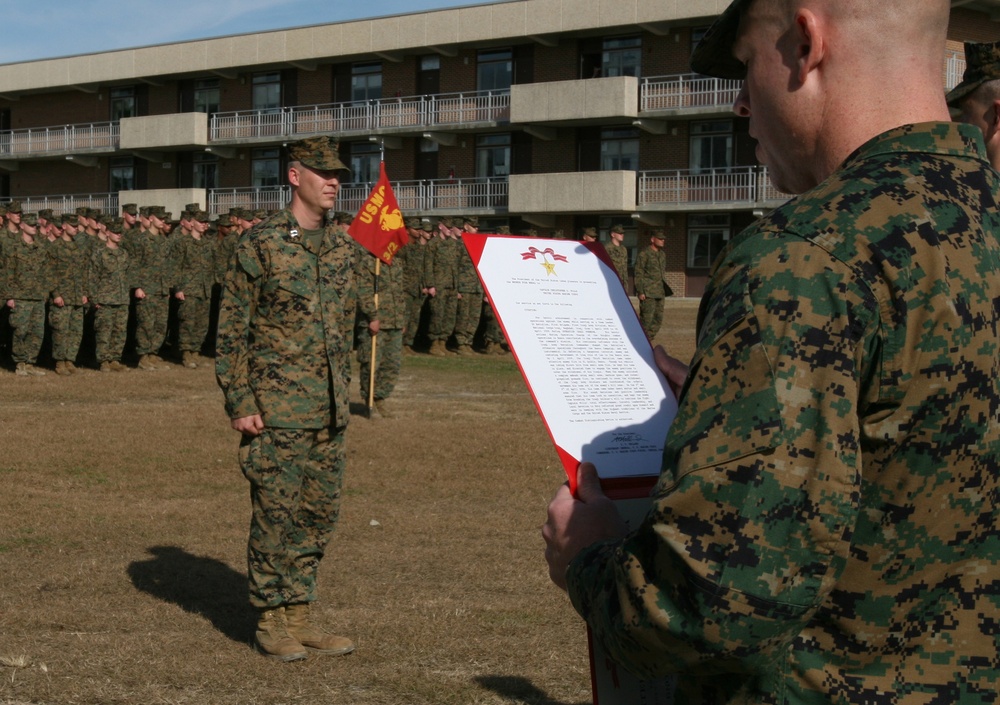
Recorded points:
(590,370)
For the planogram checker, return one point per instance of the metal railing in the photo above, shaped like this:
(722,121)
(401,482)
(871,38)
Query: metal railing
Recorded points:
(71,139)
(67,203)
(443,195)
(415,112)
(688,90)
(220,200)
(954,69)
(748,185)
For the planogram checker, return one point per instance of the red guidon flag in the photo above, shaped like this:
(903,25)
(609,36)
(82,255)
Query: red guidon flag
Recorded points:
(378,226)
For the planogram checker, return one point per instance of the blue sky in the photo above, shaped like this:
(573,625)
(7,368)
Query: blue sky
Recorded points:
(41,29)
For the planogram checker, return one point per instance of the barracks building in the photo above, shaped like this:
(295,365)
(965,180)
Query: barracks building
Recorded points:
(551,115)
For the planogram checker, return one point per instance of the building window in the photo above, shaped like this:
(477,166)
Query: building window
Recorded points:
(265,167)
(494,70)
(622,56)
(122,102)
(620,149)
(122,173)
(366,82)
(206,96)
(267,91)
(493,155)
(707,237)
(206,171)
(365,158)
(711,145)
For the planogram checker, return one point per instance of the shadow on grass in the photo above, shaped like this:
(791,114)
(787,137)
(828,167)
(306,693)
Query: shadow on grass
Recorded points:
(202,586)
(519,690)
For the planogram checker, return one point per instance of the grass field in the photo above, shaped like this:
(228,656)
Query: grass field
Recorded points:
(122,539)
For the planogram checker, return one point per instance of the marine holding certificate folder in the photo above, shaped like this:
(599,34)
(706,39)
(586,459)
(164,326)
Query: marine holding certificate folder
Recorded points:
(826,527)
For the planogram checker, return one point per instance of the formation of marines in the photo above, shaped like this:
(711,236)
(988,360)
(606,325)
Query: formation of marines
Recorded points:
(144,287)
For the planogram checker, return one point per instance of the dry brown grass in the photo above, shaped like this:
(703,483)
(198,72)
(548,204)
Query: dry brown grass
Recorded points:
(123,532)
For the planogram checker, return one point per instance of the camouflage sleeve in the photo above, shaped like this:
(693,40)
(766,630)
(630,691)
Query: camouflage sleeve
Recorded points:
(642,265)
(364,276)
(236,310)
(183,269)
(753,512)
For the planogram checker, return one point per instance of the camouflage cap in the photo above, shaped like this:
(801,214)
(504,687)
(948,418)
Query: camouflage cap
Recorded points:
(530,232)
(14,207)
(982,64)
(81,210)
(45,213)
(559,234)
(3,209)
(145,211)
(589,232)
(414,223)
(446,222)
(260,213)
(200,216)
(245,214)
(130,208)
(714,54)
(192,207)
(29,219)
(116,225)
(503,230)
(68,219)
(94,213)
(317,153)
(471,220)
(618,230)
(658,234)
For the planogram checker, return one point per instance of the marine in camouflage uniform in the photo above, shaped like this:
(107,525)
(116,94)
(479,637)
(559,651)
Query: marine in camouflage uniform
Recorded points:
(826,527)
(391,317)
(493,335)
(619,254)
(111,278)
(469,310)
(415,277)
(156,273)
(193,258)
(69,267)
(286,331)
(650,284)
(27,286)
(445,253)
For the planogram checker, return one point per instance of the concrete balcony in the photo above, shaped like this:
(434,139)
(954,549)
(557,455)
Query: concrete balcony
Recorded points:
(736,188)
(574,192)
(413,115)
(569,102)
(156,132)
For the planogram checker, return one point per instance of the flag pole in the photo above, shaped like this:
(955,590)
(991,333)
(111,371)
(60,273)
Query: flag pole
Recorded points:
(378,269)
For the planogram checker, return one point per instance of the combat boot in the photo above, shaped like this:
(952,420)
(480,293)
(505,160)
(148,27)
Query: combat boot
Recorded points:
(465,350)
(61,368)
(383,409)
(146,363)
(189,360)
(105,366)
(70,367)
(25,369)
(117,366)
(301,628)
(21,370)
(438,349)
(273,640)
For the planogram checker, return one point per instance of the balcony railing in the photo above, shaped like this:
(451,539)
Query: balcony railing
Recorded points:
(689,90)
(68,139)
(415,113)
(67,203)
(220,200)
(444,195)
(748,185)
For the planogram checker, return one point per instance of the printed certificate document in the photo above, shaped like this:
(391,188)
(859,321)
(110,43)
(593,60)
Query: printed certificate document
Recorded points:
(582,352)
(590,369)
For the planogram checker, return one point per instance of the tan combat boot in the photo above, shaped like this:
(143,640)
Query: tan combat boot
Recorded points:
(34,370)
(61,368)
(116,366)
(105,366)
(273,640)
(146,363)
(383,409)
(465,350)
(21,370)
(70,367)
(438,349)
(301,628)
(189,360)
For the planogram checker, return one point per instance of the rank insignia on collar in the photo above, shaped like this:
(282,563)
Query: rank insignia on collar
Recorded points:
(293,233)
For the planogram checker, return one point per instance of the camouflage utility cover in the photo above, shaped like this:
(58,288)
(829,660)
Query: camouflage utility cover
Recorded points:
(286,326)
(826,528)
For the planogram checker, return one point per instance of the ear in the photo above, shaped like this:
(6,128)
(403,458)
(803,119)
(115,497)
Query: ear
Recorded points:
(994,119)
(810,49)
(293,175)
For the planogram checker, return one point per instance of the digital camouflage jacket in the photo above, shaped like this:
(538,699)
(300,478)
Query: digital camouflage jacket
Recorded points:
(826,527)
